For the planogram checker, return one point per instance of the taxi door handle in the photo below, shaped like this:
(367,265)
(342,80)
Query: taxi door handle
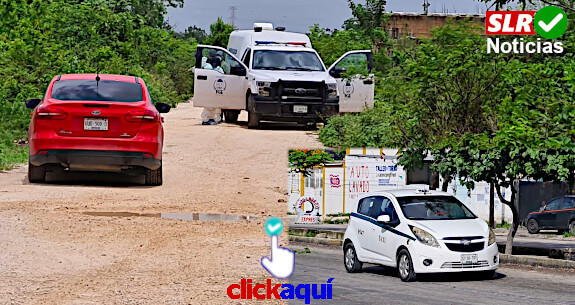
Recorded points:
(202,77)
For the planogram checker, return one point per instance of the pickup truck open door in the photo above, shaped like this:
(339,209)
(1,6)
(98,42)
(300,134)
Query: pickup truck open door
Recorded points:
(355,82)
(219,80)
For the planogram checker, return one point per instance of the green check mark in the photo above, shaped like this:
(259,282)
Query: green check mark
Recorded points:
(550,22)
(273,226)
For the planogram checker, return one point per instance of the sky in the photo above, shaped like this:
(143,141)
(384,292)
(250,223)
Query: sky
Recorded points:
(297,15)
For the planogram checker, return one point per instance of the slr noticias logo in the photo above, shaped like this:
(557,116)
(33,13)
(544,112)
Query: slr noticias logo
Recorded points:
(549,22)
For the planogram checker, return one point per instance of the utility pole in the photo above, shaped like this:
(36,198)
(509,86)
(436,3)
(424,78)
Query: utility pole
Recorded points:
(233,10)
(426,7)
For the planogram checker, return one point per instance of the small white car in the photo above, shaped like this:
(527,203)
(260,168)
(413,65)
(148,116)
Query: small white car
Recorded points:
(418,231)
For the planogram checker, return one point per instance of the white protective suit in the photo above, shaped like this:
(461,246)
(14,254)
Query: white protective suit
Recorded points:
(210,113)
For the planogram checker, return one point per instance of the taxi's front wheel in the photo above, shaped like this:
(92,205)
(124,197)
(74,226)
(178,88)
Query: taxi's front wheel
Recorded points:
(405,266)
(352,264)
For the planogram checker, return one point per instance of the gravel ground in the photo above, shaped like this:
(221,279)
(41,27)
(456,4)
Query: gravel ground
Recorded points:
(52,253)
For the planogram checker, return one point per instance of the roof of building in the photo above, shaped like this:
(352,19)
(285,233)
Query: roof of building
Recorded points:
(451,15)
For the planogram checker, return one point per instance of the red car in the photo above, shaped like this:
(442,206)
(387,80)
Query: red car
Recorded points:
(96,122)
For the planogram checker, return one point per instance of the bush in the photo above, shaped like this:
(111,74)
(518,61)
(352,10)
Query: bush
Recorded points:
(41,39)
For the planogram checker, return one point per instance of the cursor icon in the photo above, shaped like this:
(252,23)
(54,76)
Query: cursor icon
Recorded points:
(281,262)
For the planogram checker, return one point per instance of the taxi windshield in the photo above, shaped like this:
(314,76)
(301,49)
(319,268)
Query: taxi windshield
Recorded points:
(434,208)
(287,60)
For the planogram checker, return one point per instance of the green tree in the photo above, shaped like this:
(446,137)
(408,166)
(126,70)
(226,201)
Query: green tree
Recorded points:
(41,39)
(497,118)
(219,33)
(151,12)
(332,44)
(303,160)
(194,32)
(440,89)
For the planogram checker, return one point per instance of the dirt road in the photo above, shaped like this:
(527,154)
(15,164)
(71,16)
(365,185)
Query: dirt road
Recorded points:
(53,253)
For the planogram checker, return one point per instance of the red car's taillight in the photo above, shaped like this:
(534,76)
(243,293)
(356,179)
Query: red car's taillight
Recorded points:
(51,113)
(141,116)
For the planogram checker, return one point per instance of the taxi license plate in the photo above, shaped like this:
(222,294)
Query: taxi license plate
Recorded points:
(95,124)
(300,109)
(469,258)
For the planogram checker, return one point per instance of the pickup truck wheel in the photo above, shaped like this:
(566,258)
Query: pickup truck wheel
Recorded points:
(154,177)
(533,226)
(36,173)
(231,116)
(253,118)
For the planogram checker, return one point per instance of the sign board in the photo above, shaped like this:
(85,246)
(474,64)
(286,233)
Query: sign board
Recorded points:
(367,175)
(308,210)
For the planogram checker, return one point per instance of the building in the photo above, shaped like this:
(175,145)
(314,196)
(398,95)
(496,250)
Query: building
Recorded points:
(419,25)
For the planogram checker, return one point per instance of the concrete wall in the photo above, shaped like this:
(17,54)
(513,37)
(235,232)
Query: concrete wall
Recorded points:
(337,188)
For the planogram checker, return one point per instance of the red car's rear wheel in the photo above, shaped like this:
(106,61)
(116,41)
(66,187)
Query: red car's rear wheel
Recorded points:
(154,177)
(36,173)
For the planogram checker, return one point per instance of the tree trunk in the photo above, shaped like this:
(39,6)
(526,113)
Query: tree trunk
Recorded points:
(445,184)
(514,212)
(434,183)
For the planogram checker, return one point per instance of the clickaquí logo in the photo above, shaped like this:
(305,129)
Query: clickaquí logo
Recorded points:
(248,290)
(280,265)
(549,22)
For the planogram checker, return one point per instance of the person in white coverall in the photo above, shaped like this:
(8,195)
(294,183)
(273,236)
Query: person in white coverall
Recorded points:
(212,116)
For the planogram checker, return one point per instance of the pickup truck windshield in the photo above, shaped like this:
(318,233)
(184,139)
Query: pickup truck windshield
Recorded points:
(287,60)
(91,90)
(433,208)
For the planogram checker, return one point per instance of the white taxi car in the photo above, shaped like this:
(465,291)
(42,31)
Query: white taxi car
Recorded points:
(418,231)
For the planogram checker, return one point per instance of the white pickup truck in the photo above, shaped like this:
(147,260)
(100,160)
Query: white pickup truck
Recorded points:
(278,76)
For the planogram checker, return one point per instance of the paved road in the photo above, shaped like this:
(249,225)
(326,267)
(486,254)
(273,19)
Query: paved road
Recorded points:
(379,285)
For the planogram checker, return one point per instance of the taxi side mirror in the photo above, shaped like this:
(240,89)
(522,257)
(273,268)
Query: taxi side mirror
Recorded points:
(384,218)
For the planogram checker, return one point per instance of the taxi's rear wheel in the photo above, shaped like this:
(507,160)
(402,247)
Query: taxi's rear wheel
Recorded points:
(532,226)
(405,266)
(352,264)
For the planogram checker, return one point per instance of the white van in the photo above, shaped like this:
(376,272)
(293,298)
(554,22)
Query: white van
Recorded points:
(418,231)
(278,76)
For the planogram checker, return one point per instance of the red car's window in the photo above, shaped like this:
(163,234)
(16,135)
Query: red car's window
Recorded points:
(92,90)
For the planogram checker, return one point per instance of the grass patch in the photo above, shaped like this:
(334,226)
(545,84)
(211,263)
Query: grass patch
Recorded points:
(311,233)
(305,250)
(568,234)
(12,155)
(336,221)
(504,225)
(338,215)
